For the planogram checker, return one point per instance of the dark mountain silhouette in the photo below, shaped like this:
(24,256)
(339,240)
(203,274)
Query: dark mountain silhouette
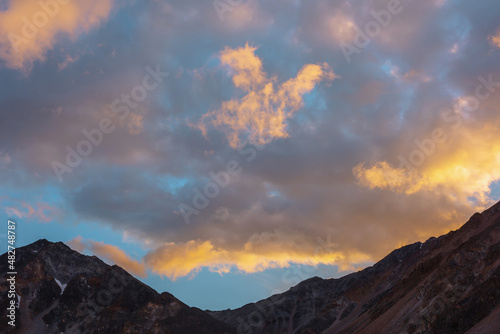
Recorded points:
(449,284)
(63,291)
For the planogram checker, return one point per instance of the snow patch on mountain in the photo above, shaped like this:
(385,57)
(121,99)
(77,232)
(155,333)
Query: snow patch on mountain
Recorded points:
(62,286)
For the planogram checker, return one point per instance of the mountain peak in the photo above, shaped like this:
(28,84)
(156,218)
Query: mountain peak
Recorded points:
(446,283)
(62,290)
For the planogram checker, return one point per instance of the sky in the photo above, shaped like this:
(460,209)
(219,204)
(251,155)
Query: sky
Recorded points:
(224,151)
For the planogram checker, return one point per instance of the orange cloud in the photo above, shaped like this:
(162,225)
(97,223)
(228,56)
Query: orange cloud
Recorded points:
(176,260)
(43,212)
(77,244)
(135,123)
(110,253)
(495,39)
(261,115)
(28,29)
(119,257)
(463,166)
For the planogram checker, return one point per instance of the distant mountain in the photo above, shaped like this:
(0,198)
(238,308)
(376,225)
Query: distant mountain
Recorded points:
(63,291)
(446,285)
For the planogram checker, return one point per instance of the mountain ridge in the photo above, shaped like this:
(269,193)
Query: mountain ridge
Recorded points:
(367,301)
(85,295)
(449,284)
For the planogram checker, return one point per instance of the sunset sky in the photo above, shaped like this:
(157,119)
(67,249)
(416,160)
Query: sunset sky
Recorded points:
(224,151)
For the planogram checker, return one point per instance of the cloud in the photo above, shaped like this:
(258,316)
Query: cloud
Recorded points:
(4,159)
(341,28)
(28,29)
(261,115)
(110,253)
(42,212)
(464,166)
(119,257)
(303,184)
(176,260)
(135,123)
(77,244)
(247,15)
(66,62)
(495,39)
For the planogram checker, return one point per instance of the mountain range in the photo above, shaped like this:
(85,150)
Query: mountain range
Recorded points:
(449,284)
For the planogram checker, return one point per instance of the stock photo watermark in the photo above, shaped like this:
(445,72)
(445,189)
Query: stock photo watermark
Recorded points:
(427,146)
(99,301)
(11,273)
(218,181)
(122,108)
(363,37)
(30,27)
(224,6)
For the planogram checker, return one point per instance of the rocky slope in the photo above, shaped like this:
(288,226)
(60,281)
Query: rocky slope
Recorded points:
(63,291)
(449,284)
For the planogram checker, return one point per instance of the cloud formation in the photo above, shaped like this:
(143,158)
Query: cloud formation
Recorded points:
(461,160)
(261,115)
(335,170)
(187,259)
(495,39)
(110,253)
(29,29)
(42,212)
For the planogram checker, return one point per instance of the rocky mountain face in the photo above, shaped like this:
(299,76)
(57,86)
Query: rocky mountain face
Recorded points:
(449,284)
(62,291)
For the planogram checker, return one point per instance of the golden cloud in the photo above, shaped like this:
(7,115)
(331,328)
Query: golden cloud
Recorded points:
(495,39)
(261,115)
(463,166)
(28,29)
(135,123)
(77,244)
(110,253)
(176,260)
